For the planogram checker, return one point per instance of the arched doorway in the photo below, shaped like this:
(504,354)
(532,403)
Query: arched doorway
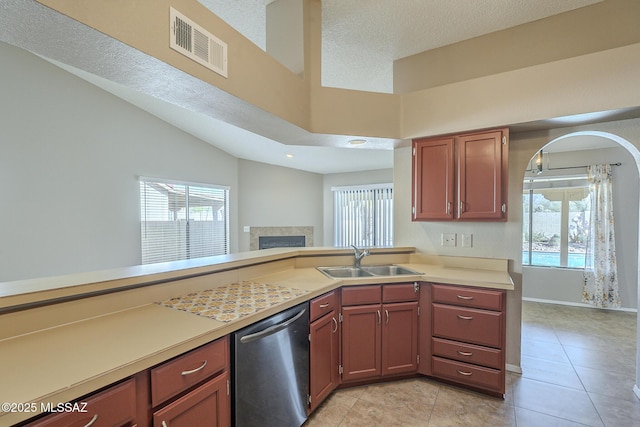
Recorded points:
(633,162)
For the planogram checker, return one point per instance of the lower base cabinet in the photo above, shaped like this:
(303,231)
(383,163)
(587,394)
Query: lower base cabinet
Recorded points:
(206,406)
(324,348)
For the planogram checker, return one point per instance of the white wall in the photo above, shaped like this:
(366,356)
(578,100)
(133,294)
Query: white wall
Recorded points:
(277,196)
(70,158)
(380,176)
(565,285)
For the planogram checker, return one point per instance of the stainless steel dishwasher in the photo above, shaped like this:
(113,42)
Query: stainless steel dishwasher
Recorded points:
(271,370)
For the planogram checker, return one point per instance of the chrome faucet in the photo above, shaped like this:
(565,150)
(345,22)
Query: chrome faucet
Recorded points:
(359,254)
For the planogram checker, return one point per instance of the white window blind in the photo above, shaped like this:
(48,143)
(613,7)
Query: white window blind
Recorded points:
(181,220)
(363,215)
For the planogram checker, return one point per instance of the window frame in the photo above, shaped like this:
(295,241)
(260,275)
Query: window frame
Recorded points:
(150,257)
(566,183)
(380,211)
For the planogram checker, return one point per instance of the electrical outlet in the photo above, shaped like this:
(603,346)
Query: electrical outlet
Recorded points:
(467,240)
(247,228)
(448,239)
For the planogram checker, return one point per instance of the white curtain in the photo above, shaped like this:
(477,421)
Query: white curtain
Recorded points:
(601,277)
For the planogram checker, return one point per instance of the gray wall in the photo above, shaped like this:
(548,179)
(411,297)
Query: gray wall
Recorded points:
(71,157)
(278,196)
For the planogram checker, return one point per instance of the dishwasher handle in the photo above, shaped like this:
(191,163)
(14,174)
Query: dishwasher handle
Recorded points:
(271,329)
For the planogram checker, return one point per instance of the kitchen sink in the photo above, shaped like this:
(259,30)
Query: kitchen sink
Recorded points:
(342,272)
(388,270)
(366,271)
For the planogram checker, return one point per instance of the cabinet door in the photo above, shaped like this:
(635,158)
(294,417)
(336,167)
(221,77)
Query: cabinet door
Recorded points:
(400,338)
(433,179)
(324,358)
(480,175)
(206,406)
(361,347)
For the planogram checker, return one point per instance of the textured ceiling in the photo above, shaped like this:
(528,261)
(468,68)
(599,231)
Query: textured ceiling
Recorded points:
(361,38)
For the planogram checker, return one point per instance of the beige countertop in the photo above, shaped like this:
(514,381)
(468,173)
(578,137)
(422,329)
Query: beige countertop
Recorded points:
(64,362)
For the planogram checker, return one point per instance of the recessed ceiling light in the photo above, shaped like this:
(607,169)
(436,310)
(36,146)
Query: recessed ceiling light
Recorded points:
(357,141)
(290,156)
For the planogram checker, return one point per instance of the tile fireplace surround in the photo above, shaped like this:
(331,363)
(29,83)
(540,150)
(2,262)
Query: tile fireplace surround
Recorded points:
(256,232)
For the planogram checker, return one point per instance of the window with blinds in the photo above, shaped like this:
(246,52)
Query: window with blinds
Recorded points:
(182,220)
(363,215)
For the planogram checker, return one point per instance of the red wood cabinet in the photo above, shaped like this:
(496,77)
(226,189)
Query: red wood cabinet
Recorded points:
(379,339)
(209,403)
(461,177)
(115,406)
(324,350)
(467,329)
(206,406)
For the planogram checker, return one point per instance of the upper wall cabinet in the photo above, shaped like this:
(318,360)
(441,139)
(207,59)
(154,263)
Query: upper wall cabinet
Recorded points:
(461,177)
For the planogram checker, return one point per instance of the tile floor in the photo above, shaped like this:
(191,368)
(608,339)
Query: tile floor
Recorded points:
(578,369)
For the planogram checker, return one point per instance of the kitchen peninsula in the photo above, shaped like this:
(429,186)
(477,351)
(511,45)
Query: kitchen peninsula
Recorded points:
(66,337)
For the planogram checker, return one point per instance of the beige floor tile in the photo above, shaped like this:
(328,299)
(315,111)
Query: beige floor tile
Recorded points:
(544,350)
(561,402)
(527,418)
(608,383)
(415,397)
(616,412)
(551,372)
(615,361)
(457,407)
(368,414)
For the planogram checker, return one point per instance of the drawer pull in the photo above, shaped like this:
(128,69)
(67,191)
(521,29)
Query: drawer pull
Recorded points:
(325,305)
(465,353)
(193,371)
(460,316)
(466,374)
(464,297)
(93,420)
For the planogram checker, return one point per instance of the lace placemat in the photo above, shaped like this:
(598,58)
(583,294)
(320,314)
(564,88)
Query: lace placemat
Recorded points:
(233,301)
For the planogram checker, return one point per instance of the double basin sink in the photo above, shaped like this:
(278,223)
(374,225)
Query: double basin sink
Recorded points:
(366,271)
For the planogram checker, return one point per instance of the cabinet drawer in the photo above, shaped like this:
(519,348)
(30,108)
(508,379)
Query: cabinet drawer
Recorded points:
(177,375)
(206,406)
(469,353)
(358,295)
(469,297)
(322,305)
(114,406)
(464,373)
(468,324)
(399,292)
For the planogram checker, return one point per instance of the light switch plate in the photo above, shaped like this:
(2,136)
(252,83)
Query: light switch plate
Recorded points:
(448,239)
(467,240)
(247,228)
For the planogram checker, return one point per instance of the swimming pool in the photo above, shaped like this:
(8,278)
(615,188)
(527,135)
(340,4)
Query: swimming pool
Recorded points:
(552,259)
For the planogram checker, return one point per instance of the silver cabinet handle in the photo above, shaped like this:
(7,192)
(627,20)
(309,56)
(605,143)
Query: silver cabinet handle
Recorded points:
(448,208)
(193,371)
(464,297)
(460,316)
(387,313)
(465,353)
(93,420)
(466,374)
(325,305)
(379,317)
(164,424)
(335,323)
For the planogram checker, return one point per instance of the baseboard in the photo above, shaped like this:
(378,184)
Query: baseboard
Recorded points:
(636,391)
(513,368)
(577,304)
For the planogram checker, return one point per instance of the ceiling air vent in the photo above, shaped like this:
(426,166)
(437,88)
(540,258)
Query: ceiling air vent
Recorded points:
(196,43)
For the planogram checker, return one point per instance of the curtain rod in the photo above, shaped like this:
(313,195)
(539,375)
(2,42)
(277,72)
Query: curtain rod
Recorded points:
(579,167)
